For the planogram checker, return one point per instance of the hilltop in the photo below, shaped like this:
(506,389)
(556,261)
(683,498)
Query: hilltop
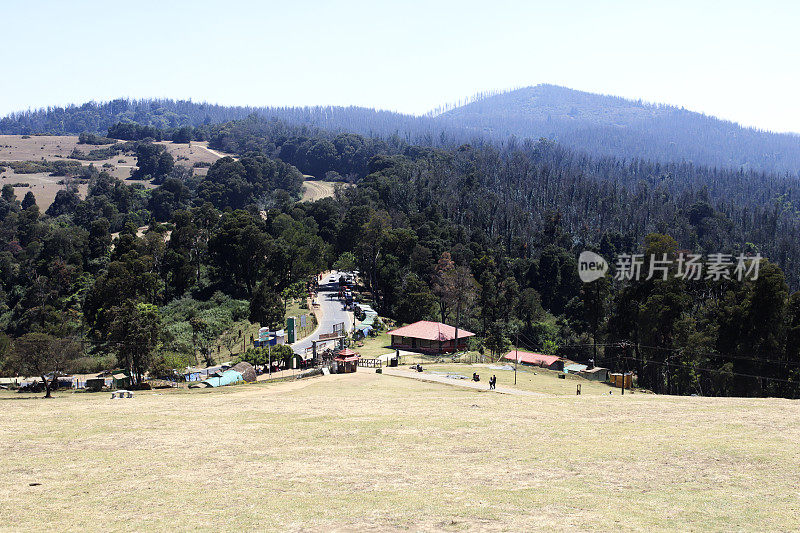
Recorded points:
(611,126)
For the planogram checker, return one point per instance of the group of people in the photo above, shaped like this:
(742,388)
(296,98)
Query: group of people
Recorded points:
(492,380)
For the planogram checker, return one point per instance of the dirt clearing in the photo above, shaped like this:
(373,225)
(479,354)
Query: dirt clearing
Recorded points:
(314,190)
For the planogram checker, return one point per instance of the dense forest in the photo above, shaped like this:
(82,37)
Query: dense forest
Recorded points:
(481,234)
(597,125)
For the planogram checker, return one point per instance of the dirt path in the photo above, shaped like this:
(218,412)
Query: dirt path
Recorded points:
(482,386)
(213,152)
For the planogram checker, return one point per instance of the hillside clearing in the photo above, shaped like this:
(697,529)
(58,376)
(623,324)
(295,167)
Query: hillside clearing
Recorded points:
(55,148)
(316,190)
(365,451)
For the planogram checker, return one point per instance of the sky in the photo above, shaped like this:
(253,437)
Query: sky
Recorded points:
(736,60)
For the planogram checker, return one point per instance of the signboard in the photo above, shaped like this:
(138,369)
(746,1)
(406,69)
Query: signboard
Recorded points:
(302,321)
(290,326)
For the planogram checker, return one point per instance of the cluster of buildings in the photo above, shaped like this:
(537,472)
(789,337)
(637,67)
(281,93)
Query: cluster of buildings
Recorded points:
(559,364)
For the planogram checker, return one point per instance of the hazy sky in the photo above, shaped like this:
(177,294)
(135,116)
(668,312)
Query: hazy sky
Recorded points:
(733,59)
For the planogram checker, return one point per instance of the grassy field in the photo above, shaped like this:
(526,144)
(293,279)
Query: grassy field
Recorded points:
(530,379)
(381,453)
(54,148)
(372,347)
(316,190)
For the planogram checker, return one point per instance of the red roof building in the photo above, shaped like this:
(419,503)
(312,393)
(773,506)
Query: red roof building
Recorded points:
(552,362)
(429,337)
(346,361)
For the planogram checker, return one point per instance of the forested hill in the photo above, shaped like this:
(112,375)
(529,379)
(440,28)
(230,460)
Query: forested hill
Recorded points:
(613,126)
(594,124)
(166,114)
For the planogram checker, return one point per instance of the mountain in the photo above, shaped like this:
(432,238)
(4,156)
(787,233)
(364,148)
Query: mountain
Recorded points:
(597,125)
(612,126)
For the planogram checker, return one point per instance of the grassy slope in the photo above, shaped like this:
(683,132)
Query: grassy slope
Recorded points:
(55,148)
(365,451)
(530,379)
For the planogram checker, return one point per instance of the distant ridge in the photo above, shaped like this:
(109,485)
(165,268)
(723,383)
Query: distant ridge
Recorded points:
(598,125)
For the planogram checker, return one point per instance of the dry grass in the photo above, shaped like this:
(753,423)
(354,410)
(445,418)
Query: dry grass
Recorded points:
(375,346)
(371,452)
(530,379)
(43,186)
(53,148)
(316,190)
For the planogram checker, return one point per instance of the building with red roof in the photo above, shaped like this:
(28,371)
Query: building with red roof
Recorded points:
(429,337)
(346,361)
(553,362)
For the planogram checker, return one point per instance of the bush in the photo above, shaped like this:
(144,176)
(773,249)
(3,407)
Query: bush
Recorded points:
(91,138)
(55,168)
(165,363)
(216,315)
(91,364)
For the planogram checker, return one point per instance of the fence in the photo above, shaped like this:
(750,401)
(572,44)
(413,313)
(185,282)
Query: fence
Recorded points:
(370,363)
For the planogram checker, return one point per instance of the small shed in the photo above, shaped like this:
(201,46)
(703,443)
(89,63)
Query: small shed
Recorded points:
(95,384)
(346,361)
(617,379)
(120,381)
(595,374)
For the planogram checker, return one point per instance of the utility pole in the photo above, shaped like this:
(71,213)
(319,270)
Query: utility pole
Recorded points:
(516,353)
(596,320)
(623,374)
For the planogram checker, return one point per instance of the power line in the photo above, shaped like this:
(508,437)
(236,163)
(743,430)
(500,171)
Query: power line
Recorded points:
(681,350)
(682,365)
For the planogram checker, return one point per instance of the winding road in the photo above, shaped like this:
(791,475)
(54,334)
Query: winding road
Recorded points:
(331,312)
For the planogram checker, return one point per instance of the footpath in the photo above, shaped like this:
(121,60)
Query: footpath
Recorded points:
(482,386)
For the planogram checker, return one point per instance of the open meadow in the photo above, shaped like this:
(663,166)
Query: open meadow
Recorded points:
(60,147)
(314,190)
(371,452)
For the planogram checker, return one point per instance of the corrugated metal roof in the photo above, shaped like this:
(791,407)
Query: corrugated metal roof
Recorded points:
(596,369)
(575,367)
(432,331)
(531,358)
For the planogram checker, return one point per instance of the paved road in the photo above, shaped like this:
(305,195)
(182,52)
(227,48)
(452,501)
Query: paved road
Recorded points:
(332,312)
